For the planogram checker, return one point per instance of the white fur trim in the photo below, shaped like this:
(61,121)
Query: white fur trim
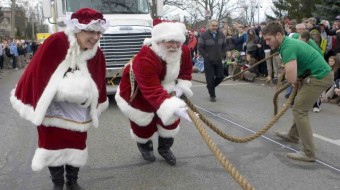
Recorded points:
(25,111)
(44,157)
(102,107)
(147,42)
(168,31)
(172,72)
(135,115)
(75,87)
(167,109)
(139,139)
(166,133)
(74,57)
(64,124)
(169,87)
(94,25)
(36,116)
(185,85)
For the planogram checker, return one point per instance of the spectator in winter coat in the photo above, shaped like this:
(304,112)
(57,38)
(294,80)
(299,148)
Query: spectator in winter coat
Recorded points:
(212,46)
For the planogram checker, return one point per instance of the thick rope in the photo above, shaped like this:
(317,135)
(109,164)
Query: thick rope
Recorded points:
(251,137)
(238,74)
(114,77)
(255,64)
(278,91)
(245,185)
(219,155)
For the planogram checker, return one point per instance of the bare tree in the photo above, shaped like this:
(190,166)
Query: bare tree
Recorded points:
(248,8)
(196,9)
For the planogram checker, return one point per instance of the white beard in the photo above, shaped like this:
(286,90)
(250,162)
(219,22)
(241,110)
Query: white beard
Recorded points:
(170,56)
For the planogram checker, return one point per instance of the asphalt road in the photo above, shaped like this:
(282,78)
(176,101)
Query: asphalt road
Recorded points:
(241,109)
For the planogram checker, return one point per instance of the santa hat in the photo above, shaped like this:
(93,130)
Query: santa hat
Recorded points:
(168,31)
(87,19)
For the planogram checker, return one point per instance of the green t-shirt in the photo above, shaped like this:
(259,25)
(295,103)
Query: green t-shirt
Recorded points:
(307,57)
(310,42)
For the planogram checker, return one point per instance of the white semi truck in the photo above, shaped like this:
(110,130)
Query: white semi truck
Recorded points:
(130,23)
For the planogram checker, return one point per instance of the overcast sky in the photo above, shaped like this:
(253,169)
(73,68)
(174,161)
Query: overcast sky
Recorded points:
(265,9)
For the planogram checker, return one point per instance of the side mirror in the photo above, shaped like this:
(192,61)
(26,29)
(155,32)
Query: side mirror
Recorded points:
(159,6)
(46,6)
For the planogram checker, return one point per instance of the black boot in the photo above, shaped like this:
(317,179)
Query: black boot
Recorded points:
(164,145)
(147,151)
(71,178)
(57,176)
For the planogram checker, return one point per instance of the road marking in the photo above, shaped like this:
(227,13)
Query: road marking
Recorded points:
(274,141)
(336,142)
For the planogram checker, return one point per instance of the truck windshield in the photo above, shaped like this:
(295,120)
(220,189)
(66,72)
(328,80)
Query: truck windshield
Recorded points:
(110,6)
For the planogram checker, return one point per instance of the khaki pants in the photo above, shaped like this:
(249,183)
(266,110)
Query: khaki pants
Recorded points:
(304,100)
(268,62)
(277,66)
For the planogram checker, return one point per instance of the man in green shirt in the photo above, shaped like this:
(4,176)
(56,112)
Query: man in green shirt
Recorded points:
(299,58)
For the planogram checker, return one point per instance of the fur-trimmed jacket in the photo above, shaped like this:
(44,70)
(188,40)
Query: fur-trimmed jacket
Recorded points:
(155,80)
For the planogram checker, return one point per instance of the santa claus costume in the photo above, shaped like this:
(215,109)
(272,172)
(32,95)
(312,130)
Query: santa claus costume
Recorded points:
(63,92)
(144,91)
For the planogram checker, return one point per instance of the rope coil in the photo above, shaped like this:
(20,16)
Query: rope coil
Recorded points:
(193,112)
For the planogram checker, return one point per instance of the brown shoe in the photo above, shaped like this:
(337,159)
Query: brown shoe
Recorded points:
(301,156)
(286,137)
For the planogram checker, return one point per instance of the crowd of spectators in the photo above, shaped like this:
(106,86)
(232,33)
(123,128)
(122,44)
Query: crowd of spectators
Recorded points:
(245,46)
(16,53)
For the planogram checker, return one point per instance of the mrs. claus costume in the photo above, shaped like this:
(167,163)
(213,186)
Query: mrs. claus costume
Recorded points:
(147,101)
(63,92)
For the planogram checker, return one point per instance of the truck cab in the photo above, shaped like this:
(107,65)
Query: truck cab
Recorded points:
(130,23)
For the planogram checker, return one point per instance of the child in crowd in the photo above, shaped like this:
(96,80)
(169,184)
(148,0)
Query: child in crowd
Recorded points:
(332,94)
(251,73)
(230,63)
(240,62)
(199,64)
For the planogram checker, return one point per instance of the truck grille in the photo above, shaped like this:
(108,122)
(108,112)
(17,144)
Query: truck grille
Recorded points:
(118,49)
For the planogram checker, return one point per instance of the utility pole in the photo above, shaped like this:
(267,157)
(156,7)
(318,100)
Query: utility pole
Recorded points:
(13,19)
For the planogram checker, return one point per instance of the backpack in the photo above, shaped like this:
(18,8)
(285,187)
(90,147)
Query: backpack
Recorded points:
(8,52)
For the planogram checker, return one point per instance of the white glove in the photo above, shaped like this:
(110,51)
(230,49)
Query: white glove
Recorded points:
(183,114)
(179,91)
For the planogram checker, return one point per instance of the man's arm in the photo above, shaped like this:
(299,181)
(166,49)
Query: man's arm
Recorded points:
(291,71)
(201,47)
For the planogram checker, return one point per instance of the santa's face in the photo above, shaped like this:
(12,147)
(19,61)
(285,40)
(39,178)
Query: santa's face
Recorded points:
(169,51)
(171,46)
(87,39)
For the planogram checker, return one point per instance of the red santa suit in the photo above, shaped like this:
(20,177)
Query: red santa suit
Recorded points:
(60,74)
(152,109)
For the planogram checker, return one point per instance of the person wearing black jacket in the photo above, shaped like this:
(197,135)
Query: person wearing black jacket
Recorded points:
(212,46)
(334,32)
(240,39)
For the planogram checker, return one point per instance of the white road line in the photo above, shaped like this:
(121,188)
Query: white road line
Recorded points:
(274,141)
(336,142)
